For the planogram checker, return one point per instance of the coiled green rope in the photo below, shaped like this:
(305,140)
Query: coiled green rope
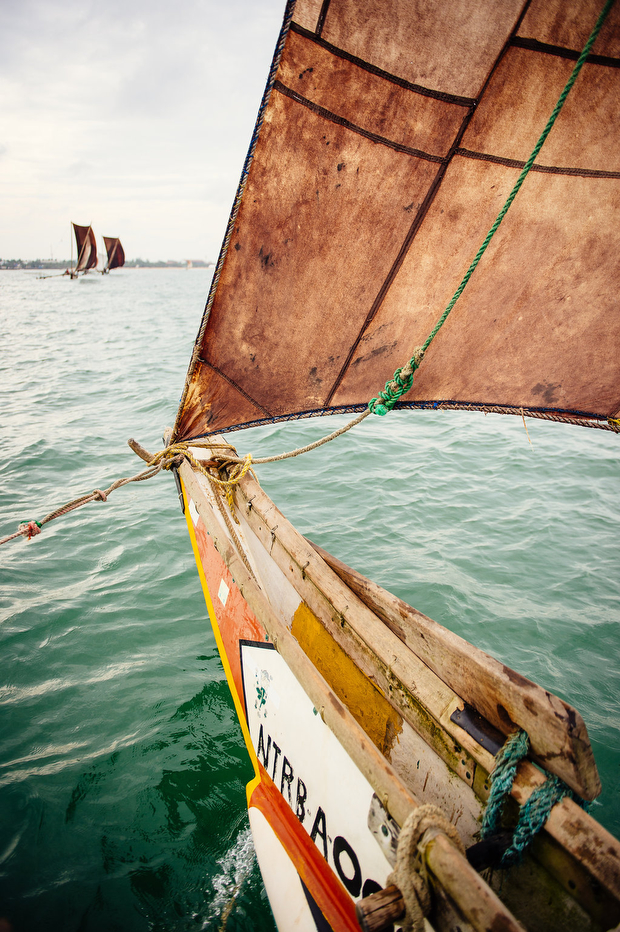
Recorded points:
(534,812)
(401,381)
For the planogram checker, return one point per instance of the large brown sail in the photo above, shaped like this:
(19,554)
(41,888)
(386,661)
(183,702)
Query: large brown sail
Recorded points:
(390,137)
(86,248)
(116,255)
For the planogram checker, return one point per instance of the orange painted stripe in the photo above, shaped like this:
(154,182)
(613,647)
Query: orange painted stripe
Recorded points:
(220,642)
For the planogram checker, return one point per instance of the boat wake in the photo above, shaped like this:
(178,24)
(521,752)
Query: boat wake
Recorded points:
(236,867)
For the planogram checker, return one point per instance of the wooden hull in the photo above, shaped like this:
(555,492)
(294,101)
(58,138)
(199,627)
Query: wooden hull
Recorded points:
(351,707)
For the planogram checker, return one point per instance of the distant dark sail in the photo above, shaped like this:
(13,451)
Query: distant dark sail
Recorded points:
(86,248)
(116,255)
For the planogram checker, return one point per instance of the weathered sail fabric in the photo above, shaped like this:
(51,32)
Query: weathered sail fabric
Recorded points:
(392,135)
(86,248)
(115,252)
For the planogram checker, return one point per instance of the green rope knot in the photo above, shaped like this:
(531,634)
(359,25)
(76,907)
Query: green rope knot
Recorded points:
(534,812)
(398,385)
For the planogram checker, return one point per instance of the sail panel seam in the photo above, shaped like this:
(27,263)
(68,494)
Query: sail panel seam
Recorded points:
(231,382)
(359,130)
(322,16)
(545,169)
(400,258)
(533,45)
(443,96)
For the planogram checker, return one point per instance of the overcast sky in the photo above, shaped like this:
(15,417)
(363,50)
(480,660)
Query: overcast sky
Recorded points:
(132,115)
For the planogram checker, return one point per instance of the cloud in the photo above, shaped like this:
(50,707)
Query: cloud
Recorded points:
(134,114)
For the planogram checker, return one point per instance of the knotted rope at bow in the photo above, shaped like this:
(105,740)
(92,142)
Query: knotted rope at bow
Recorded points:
(223,457)
(30,529)
(173,455)
(409,873)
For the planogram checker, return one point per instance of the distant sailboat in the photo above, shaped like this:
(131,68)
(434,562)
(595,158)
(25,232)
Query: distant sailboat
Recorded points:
(86,250)
(116,255)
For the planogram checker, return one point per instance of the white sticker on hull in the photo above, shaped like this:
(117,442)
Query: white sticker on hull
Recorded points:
(193,512)
(222,592)
(316,777)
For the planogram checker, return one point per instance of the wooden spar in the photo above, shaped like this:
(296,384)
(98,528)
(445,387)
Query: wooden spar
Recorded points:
(480,905)
(379,911)
(474,675)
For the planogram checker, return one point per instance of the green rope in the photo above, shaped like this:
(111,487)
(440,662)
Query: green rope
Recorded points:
(534,812)
(398,385)
(506,762)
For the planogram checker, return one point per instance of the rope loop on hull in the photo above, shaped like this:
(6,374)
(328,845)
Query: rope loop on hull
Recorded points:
(409,872)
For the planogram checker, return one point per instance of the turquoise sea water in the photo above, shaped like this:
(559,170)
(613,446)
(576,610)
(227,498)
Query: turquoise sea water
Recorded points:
(122,768)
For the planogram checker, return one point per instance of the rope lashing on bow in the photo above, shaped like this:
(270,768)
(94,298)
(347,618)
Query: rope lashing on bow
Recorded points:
(390,396)
(534,812)
(409,872)
(172,456)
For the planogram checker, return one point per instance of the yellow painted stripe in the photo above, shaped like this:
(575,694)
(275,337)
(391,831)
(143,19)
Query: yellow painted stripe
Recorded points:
(220,646)
(368,706)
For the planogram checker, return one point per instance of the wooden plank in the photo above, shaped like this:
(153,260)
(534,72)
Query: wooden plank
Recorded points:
(419,695)
(558,735)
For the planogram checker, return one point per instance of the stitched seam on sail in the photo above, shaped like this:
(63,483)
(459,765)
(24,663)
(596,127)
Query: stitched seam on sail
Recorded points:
(533,45)
(396,387)
(424,208)
(387,282)
(322,17)
(380,73)
(241,391)
(544,169)
(359,130)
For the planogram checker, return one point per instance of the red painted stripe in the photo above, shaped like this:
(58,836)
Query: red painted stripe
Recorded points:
(325,888)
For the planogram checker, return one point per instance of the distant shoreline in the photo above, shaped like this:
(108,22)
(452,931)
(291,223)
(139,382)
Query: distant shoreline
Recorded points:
(45,264)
